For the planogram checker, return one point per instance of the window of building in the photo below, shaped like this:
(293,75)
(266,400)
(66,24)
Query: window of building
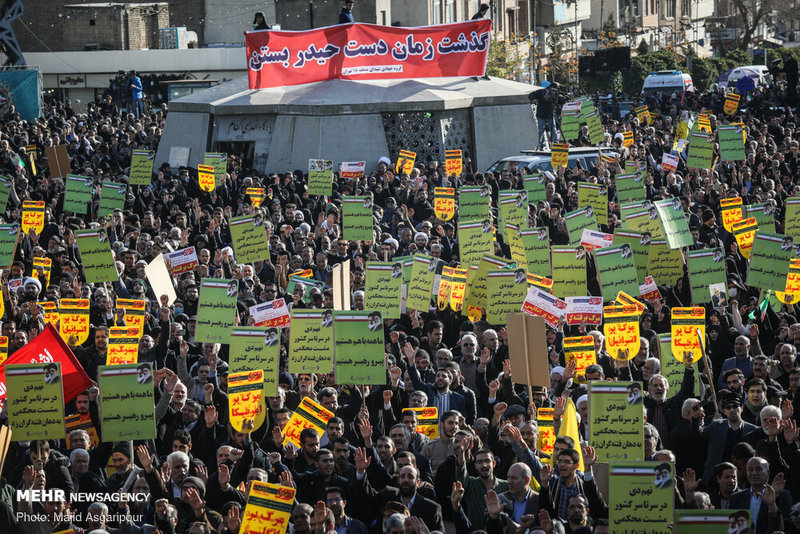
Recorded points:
(437,11)
(450,15)
(669,9)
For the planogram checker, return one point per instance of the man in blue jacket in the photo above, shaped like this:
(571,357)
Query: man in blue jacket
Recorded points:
(346,16)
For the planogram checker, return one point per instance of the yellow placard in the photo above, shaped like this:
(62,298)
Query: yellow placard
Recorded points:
(745,233)
(50,312)
(256,194)
(458,288)
(308,414)
(474,313)
(33,215)
(46,264)
(547,432)
(623,299)
(731,211)
(3,348)
(792,292)
(621,328)
(444,203)
(205,177)
(74,320)
(405,162)
(731,103)
(123,345)
(134,313)
(627,138)
(685,340)
(445,288)
(643,114)
(427,420)
(559,155)
(268,509)
(453,163)
(580,350)
(541,282)
(245,390)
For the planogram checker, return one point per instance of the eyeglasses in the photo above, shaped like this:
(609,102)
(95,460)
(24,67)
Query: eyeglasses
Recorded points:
(565,462)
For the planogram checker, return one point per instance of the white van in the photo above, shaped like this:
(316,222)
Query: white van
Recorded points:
(764,77)
(667,81)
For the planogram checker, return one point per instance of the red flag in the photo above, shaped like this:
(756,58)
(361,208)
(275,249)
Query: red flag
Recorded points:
(45,348)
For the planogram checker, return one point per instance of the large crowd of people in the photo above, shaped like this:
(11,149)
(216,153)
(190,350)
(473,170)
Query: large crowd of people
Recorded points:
(370,470)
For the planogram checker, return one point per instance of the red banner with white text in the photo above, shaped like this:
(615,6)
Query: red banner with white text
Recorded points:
(366,52)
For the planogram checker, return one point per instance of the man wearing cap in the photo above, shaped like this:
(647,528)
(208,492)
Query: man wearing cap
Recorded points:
(722,435)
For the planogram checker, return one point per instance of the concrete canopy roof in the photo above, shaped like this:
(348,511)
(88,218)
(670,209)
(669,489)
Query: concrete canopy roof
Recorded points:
(338,97)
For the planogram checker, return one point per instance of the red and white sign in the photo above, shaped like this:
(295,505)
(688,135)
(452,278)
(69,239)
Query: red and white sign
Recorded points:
(183,260)
(592,239)
(271,314)
(584,310)
(352,169)
(649,290)
(542,304)
(669,162)
(366,52)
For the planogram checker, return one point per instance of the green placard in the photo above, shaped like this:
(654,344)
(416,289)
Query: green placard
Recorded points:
(311,341)
(578,221)
(9,234)
(112,197)
(641,497)
(96,258)
(513,210)
(536,188)
(617,420)
(764,214)
(359,347)
(712,521)
(769,261)
(141,167)
(384,288)
(219,161)
(475,238)
(127,401)
(320,177)
(475,294)
(570,124)
(674,223)
(569,271)
(508,289)
(596,196)
(537,250)
(791,220)
(249,238)
(408,264)
(706,267)
(35,401)
(420,287)
(357,220)
(516,248)
(254,348)
(78,194)
(672,369)
(307,283)
(216,310)
(731,143)
(630,188)
(664,264)
(596,133)
(474,202)
(643,220)
(640,245)
(617,271)
(5,191)
(701,151)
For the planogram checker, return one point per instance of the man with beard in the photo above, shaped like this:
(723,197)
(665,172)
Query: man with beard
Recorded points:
(664,413)
(439,449)
(727,485)
(405,492)
(741,360)
(336,502)
(311,485)
(92,357)
(568,483)
(475,488)
(439,395)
